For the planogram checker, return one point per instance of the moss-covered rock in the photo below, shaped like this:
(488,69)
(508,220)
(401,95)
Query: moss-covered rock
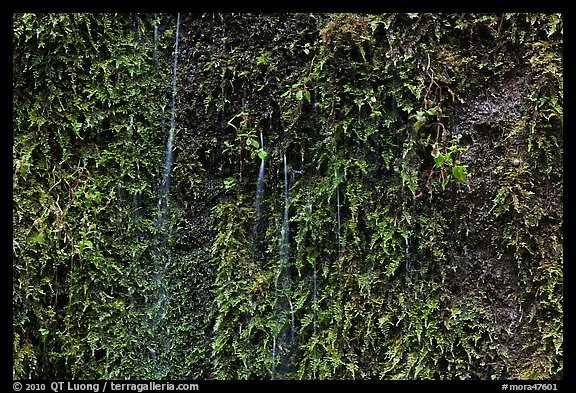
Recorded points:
(424,167)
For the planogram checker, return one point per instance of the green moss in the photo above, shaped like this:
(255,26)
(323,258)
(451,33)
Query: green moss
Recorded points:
(424,160)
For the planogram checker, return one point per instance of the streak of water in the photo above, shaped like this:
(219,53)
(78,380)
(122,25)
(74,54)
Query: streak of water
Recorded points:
(170,144)
(156,23)
(256,231)
(158,308)
(338,218)
(314,296)
(260,186)
(285,240)
(284,334)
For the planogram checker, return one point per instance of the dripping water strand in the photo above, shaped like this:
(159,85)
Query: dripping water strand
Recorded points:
(414,243)
(161,260)
(407,258)
(338,220)
(273,371)
(286,245)
(106,375)
(315,312)
(280,287)
(170,143)
(285,239)
(223,79)
(260,186)
(165,186)
(283,339)
(156,23)
(256,240)
(314,299)
(340,291)
(292,327)
(405,156)
(396,76)
(413,240)
(338,228)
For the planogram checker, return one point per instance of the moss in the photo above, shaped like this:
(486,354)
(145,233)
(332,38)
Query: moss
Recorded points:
(424,163)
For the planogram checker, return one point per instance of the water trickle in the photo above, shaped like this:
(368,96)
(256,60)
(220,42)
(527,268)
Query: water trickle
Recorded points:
(284,335)
(407,257)
(314,294)
(284,248)
(157,309)
(285,239)
(260,185)
(106,375)
(396,76)
(169,160)
(315,313)
(222,111)
(156,23)
(273,371)
(258,204)
(362,139)
(285,253)
(338,222)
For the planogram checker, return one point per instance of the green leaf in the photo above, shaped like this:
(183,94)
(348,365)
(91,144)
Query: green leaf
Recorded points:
(38,238)
(229,183)
(285,94)
(439,160)
(420,120)
(308,96)
(253,142)
(299,95)
(262,59)
(459,172)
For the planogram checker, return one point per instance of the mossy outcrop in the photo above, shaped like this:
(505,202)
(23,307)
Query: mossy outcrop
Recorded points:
(424,161)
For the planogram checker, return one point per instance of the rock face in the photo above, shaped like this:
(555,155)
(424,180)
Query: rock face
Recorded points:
(408,223)
(497,260)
